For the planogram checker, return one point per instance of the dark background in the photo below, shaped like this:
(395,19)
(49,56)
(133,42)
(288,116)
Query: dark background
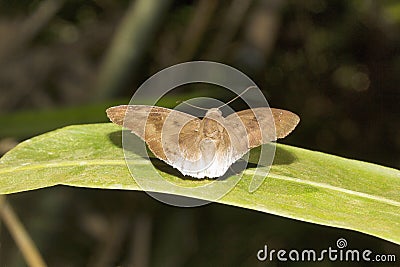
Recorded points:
(335,63)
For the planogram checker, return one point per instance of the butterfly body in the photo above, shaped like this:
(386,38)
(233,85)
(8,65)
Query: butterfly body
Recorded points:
(204,147)
(211,143)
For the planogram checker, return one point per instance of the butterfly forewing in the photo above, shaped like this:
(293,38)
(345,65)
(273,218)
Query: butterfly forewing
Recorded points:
(285,122)
(263,125)
(148,122)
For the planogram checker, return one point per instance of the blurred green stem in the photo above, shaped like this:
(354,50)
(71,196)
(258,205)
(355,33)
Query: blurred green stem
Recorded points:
(128,47)
(20,235)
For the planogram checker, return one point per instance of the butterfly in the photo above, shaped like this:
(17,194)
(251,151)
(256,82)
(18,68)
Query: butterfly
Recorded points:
(204,147)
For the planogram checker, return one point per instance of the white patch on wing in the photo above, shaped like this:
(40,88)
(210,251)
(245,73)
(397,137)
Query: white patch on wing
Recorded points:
(205,167)
(209,165)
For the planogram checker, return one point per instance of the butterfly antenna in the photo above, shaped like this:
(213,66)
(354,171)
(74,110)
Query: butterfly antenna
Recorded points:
(236,97)
(230,101)
(193,106)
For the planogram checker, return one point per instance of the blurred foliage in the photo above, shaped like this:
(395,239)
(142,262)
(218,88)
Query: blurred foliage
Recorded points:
(335,63)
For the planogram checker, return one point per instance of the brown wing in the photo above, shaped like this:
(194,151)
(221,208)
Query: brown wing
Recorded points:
(153,124)
(259,124)
(285,122)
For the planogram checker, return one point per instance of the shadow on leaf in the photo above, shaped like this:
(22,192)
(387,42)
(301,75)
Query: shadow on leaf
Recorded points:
(282,156)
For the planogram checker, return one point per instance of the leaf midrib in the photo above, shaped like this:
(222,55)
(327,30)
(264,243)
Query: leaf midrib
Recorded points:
(75,163)
(337,189)
(64,163)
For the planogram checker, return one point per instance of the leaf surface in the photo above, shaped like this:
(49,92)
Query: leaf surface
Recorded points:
(302,184)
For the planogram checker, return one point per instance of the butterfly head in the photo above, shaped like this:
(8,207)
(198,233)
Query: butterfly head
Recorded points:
(213,113)
(211,126)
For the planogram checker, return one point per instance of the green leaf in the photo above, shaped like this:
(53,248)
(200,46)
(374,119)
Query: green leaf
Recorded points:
(302,184)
